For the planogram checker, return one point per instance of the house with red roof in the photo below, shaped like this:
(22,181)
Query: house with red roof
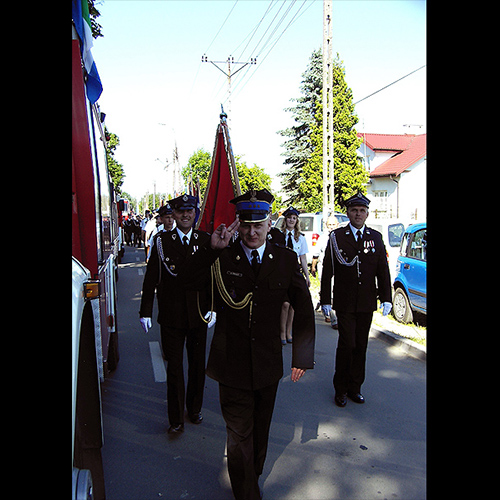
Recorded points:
(398,175)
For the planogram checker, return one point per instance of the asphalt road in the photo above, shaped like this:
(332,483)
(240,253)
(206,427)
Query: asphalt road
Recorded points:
(316,450)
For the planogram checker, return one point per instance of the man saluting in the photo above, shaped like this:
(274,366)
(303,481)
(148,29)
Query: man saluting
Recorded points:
(252,278)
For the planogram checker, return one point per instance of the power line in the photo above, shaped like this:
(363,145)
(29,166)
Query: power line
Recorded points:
(270,24)
(225,20)
(399,79)
(264,34)
(294,18)
(211,43)
(254,30)
(269,41)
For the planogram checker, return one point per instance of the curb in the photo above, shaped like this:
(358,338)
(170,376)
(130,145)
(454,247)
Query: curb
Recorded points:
(409,346)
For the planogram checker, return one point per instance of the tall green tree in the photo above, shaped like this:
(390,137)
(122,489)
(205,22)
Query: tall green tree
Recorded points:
(115,169)
(199,168)
(298,146)
(251,177)
(304,178)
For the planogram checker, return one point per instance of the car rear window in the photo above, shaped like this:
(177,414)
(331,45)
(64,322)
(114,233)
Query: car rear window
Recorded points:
(306,223)
(418,247)
(396,232)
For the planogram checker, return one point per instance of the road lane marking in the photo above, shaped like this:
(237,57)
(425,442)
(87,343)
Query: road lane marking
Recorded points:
(157,360)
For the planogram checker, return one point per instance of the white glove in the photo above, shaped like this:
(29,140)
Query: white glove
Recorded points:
(386,308)
(145,323)
(326,310)
(212,319)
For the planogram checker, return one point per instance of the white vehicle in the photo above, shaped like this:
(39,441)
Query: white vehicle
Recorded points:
(392,231)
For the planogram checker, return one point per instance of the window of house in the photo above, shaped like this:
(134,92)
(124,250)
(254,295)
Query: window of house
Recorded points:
(381,200)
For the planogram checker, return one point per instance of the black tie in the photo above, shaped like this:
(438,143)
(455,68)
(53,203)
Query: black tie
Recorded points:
(289,243)
(359,235)
(255,262)
(185,241)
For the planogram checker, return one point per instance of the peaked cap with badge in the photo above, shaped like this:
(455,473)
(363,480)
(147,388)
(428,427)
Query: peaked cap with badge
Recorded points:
(359,199)
(184,202)
(253,206)
(290,211)
(164,210)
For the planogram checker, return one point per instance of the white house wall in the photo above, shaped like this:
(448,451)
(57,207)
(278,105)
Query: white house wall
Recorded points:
(413,192)
(379,159)
(382,184)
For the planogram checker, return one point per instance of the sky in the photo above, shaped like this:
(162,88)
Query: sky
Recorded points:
(157,92)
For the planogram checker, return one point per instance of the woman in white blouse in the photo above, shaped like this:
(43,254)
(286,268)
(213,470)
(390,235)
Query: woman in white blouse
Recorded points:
(296,241)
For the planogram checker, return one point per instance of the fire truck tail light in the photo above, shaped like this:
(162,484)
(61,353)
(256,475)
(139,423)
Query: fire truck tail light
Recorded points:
(315,238)
(92,289)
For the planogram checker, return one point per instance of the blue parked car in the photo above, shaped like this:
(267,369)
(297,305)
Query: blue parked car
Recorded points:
(410,284)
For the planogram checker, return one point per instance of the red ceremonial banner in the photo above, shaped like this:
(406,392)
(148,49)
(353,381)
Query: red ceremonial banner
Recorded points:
(216,208)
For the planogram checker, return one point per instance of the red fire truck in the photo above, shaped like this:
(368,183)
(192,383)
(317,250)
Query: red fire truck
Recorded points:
(95,247)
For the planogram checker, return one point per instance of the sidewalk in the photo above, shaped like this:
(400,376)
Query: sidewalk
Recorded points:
(409,346)
(389,330)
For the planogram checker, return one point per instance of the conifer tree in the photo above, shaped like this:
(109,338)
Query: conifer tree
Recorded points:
(298,146)
(304,179)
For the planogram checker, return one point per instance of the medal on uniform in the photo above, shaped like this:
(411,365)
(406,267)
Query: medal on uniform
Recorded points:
(369,245)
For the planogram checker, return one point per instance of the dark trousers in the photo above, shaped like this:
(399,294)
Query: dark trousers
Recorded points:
(351,351)
(172,340)
(248,416)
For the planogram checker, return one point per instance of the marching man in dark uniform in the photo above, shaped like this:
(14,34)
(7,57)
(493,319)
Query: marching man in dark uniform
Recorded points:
(251,280)
(178,312)
(356,258)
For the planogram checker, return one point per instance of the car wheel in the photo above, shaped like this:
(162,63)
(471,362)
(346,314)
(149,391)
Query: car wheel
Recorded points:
(401,309)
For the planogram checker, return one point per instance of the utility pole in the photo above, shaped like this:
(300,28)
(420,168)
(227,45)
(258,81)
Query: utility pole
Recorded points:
(229,75)
(177,171)
(328,161)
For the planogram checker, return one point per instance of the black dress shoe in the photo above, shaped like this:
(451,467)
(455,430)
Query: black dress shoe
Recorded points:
(340,399)
(196,418)
(356,397)
(176,429)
